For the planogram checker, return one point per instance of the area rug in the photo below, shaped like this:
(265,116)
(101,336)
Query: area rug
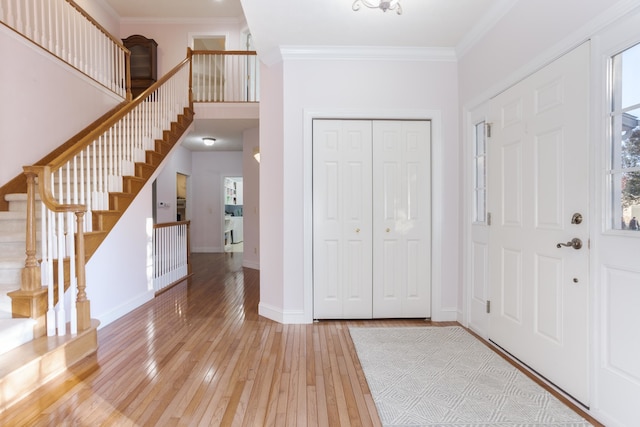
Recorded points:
(444,376)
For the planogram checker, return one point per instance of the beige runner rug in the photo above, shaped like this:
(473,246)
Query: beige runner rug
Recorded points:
(444,376)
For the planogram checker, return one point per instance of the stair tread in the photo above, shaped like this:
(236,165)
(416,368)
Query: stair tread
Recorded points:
(36,348)
(18,197)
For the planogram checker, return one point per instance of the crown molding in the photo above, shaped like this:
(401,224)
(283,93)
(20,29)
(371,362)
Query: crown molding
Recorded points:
(367,53)
(182,21)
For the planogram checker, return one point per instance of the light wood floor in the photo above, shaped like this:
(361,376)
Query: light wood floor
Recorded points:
(199,354)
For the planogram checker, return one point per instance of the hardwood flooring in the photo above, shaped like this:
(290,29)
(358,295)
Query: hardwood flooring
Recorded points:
(199,354)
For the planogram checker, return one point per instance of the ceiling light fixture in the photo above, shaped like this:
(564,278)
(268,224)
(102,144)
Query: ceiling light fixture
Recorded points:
(384,5)
(209,141)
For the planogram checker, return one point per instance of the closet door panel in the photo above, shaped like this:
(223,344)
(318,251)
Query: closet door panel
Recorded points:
(401,219)
(342,264)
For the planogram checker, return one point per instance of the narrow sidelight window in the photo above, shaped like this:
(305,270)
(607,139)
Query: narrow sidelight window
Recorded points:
(480,174)
(624,165)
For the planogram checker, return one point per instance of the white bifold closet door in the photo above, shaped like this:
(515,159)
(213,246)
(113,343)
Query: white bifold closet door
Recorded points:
(371,219)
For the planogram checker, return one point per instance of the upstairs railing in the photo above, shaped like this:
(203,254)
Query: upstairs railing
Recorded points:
(68,32)
(225,76)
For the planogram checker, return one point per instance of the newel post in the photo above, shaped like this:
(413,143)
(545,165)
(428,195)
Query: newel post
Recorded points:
(31,271)
(190,56)
(30,300)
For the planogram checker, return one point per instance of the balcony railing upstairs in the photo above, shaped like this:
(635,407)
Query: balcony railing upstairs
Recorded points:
(225,76)
(68,32)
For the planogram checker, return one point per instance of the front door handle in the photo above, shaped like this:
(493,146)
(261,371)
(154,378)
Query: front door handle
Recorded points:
(574,243)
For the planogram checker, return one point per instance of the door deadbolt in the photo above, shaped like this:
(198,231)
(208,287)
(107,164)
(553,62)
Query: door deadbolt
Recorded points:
(576,218)
(574,243)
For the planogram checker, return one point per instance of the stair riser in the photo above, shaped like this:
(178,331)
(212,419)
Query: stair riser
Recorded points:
(11,276)
(12,225)
(21,206)
(5,303)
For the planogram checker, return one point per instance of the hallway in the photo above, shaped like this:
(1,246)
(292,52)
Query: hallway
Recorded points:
(199,354)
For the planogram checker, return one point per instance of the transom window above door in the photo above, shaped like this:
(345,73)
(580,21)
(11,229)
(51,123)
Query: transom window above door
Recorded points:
(624,162)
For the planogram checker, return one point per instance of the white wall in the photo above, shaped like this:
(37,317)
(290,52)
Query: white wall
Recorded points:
(117,279)
(360,89)
(272,193)
(37,116)
(207,209)
(529,36)
(251,202)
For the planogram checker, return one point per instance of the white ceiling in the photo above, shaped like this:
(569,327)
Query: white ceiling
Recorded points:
(448,24)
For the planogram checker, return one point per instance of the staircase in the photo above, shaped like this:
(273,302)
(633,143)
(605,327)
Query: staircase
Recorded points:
(13,332)
(27,360)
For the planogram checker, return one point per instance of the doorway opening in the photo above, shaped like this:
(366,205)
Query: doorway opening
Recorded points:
(233,214)
(181,197)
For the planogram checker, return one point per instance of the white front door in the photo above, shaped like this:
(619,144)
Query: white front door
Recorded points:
(371,219)
(538,180)
(401,219)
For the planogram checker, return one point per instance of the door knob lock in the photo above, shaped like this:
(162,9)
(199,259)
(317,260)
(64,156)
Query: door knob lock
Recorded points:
(576,218)
(574,243)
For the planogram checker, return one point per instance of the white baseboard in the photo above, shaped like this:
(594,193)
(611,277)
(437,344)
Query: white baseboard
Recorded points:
(294,317)
(206,249)
(251,264)
(127,307)
(445,315)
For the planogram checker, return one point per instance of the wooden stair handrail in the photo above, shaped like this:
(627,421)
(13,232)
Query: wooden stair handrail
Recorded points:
(61,159)
(224,52)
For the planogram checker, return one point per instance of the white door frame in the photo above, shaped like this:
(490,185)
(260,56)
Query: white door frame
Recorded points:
(438,312)
(223,177)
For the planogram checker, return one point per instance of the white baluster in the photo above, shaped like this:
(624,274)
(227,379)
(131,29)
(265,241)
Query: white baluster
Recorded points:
(47,267)
(19,22)
(28,26)
(43,22)
(86,169)
(94,176)
(73,280)
(61,314)
(76,17)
